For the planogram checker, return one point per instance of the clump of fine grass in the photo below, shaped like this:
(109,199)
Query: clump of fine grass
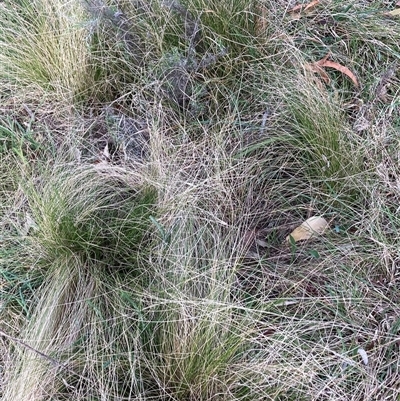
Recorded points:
(328,149)
(43,47)
(74,239)
(89,214)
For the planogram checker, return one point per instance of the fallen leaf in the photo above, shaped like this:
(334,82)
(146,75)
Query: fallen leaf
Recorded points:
(311,5)
(312,227)
(304,7)
(317,67)
(394,13)
(344,70)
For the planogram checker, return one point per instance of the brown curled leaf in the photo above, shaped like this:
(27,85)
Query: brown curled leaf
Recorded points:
(304,7)
(311,5)
(344,70)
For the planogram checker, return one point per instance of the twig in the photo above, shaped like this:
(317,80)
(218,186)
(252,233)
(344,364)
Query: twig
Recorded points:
(18,341)
(54,361)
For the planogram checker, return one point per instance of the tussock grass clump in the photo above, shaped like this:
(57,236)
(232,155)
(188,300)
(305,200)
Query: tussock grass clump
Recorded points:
(75,239)
(90,214)
(154,158)
(43,47)
(326,145)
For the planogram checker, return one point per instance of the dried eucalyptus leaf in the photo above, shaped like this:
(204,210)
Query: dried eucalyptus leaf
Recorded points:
(312,227)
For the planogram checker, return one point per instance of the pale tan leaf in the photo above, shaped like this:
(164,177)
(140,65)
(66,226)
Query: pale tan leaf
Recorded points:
(394,13)
(312,227)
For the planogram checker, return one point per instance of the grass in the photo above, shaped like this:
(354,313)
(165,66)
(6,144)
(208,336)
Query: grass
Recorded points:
(154,156)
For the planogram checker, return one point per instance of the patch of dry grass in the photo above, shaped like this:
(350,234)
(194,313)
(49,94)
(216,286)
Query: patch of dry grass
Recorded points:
(154,156)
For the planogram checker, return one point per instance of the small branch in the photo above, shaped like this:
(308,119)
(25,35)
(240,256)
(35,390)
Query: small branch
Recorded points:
(41,354)
(54,361)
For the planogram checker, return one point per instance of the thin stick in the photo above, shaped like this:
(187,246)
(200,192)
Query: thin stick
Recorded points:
(49,358)
(43,355)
